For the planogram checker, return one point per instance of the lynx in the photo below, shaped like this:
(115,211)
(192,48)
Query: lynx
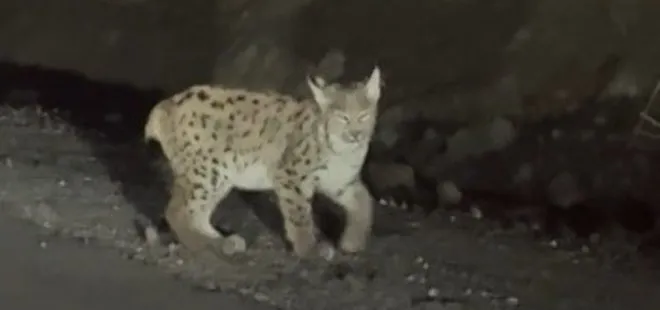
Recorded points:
(217,139)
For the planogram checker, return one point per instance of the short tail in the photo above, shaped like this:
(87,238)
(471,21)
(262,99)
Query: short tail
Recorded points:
(153,129)
(155,138)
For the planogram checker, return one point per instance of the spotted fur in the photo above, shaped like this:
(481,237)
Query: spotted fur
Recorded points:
(217,139)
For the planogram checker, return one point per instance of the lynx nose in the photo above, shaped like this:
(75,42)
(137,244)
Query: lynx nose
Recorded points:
(354,136)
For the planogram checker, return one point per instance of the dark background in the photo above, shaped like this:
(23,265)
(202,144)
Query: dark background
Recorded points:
(522,104)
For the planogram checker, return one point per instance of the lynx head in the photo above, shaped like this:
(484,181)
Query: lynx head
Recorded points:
(350,111)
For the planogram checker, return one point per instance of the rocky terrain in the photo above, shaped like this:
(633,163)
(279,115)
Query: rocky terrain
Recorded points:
(515,160)
(557,214)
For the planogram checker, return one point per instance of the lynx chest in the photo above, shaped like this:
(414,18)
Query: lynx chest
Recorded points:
(340,169)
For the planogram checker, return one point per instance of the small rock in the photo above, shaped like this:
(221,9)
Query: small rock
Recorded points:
(502,133)
(476,212)
(261,297)
(208,285)
(391,203)
(141,257)
(425,152)
(431,134)
(387,176)
(556,134)
(387,137)
(486,294)
(524,174)
(151,236)
(9,162)
(624,84)
(464,143)
(564,190)
(448,192)
(327,251)
(41,214)
(521,36)
(234,244)
(600,120)
(512,301)
(477,140)
(390,129)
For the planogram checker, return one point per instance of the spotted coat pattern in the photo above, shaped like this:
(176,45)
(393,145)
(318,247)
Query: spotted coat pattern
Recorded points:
(217,139)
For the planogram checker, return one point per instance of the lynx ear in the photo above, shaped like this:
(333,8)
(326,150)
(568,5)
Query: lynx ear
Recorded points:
(372,86)
(317,86)
(319,81)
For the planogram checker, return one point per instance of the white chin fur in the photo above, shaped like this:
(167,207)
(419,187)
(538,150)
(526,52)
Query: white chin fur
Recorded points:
(339,144)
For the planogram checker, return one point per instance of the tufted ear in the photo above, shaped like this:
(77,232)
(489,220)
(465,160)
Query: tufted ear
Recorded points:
(372,86)
(317,86)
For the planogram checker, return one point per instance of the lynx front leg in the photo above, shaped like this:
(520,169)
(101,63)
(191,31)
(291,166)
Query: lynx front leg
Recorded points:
(294,200)
(358,205)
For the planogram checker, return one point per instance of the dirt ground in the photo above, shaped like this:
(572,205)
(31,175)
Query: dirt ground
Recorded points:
(84,180)
(74,192)
(66,275)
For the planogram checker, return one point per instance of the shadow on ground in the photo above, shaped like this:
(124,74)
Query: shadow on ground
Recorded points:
(108,116)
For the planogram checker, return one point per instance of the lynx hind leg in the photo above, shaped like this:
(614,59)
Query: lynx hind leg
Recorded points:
(357,203)
(294,200)
(189,215)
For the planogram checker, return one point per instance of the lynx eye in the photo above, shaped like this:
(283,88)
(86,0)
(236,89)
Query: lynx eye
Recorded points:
(342,117)
(364,117)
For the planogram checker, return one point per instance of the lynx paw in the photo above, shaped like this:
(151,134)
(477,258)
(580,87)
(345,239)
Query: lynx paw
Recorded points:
(303,242)
(353,243)
(206,250)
